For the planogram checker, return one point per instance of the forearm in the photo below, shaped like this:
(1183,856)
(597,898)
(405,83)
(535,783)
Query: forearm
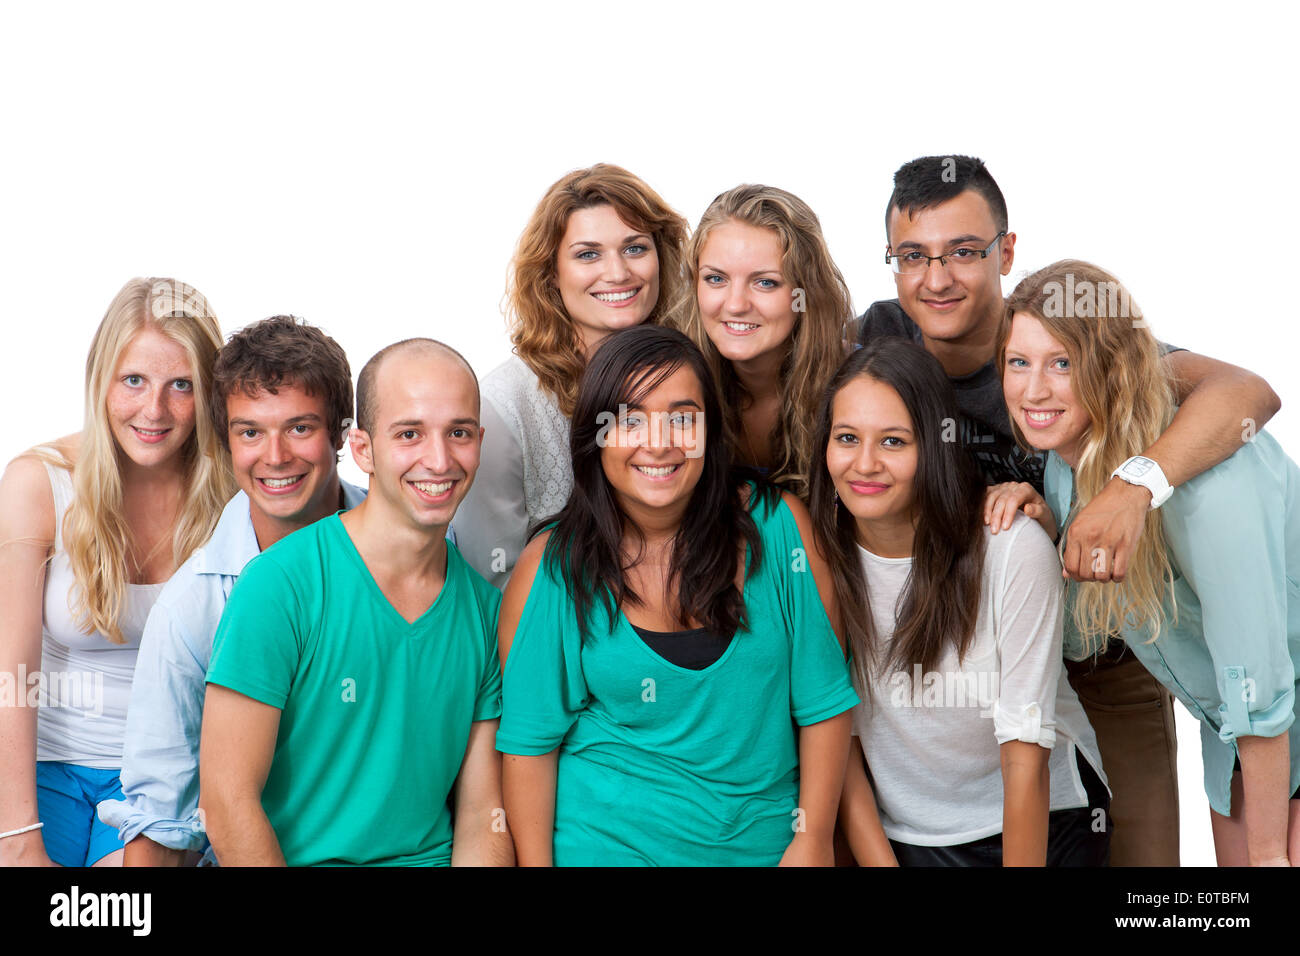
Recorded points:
(1225,409)
(528,786)
(823,755)
(482,837)
(144,852)
(1025,801)
(1266,782)
(860,818)
(240,832)
(18,783)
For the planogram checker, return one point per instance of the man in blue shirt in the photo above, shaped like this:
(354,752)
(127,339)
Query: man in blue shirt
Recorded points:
(282,404)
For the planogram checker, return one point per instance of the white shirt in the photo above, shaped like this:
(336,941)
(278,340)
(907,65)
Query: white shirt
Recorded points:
(932,739)
(525,471)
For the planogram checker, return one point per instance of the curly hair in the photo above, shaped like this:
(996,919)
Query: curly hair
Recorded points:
(541,330)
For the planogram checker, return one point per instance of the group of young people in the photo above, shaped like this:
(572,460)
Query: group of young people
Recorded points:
(710,572)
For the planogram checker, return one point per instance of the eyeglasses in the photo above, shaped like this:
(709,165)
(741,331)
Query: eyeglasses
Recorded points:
(915,262)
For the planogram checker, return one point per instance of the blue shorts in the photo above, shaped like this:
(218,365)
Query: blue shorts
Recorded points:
(66,796)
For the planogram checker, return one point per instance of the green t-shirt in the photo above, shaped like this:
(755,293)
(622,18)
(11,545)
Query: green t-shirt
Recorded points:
(661,765)
(376,712)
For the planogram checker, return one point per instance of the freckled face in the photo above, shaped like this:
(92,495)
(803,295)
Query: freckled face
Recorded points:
(150,401)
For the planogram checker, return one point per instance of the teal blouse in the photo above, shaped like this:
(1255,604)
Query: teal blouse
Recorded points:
(661,765)
(1233,539)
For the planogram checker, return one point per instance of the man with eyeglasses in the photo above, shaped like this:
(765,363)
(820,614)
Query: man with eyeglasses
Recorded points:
(949,246)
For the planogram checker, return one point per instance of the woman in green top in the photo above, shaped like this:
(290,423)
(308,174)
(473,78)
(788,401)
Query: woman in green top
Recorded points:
(662,640)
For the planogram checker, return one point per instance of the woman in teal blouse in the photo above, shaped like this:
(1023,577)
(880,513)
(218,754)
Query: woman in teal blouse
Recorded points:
(1209,601)
(674,693)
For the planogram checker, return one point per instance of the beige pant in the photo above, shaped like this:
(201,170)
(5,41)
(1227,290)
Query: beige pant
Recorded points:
(1133,716)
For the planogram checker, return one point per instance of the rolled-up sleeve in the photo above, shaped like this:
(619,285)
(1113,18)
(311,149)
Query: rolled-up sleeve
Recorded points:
(160,755)
(1029,619)
(1227,536)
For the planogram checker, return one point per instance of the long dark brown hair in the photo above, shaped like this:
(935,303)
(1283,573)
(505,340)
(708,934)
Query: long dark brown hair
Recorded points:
(585,547)
(940,602)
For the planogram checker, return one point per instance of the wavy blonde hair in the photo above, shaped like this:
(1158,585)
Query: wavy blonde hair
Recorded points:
(96,535)
(541,330)
(817,342)
(1117,375)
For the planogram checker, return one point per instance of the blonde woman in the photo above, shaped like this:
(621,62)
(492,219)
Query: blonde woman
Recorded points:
(91,527)
(1207,600)
(769,312)
(601,253)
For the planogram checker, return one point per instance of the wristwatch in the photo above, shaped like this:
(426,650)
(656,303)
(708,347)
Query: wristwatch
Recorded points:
(1140,470)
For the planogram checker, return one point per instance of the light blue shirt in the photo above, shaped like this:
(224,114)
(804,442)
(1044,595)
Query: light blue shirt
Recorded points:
(1233,539)
(160,755)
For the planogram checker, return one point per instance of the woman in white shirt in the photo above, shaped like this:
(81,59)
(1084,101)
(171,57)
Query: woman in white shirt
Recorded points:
(601,253)
(91,527)
(977,751)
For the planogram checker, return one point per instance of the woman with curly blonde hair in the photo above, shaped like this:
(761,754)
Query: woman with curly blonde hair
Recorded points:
(601,253)
(769,311)
(1207,602)
(91,527)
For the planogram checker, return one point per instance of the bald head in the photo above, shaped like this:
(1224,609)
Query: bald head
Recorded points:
(408,353)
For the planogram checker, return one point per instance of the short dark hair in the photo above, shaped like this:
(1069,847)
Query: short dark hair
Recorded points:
(366,384)
(279,352)
(930,180)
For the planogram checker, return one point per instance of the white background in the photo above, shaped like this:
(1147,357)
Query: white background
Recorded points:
(372,171)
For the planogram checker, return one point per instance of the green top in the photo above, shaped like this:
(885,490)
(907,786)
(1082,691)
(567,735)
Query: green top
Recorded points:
(376,711)
(661,765)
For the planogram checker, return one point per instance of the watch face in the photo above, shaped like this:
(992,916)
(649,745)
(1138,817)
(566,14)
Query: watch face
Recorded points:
(1139,466)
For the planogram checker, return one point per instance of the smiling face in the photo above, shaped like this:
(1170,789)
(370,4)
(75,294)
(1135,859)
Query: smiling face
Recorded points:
(745,300)
(423,451)
(150,400)
(872,452)
(961,301)
(282,456)
(653,457)
(1036,383)
(607,273)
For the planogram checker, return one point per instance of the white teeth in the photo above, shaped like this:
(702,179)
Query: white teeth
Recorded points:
(281,482)
(1041,416)
(433,488)
(615,296)
(740,326)
(656,472)
(151,434)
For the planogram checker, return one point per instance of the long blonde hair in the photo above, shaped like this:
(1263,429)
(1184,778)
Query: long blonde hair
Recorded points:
(96,536)
(541,330)
(817,341)
(1117,376)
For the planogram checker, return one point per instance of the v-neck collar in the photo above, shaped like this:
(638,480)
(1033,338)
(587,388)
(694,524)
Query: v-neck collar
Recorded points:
(377,592)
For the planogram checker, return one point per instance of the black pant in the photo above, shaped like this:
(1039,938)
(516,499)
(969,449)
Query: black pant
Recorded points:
(1078,837)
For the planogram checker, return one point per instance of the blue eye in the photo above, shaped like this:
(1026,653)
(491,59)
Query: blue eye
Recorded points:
(709,279)
(586,255)
(636,249)
(1015,362)
(768,284)
(1063,363)
(183,385)
(135,381)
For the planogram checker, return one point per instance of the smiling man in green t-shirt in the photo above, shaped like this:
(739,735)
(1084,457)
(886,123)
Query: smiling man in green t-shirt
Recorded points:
(354,684)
